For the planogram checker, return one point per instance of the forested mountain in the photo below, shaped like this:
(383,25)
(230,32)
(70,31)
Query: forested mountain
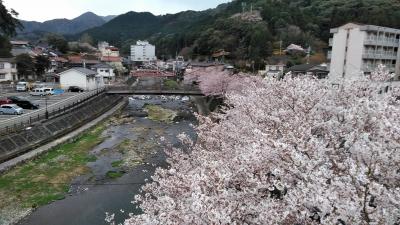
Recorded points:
(64,26)
(304,22)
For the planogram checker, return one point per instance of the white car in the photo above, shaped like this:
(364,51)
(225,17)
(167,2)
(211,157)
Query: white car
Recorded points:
(11,109)
(49,91)
(38,92)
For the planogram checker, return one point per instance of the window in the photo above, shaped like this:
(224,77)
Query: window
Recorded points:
(107,71)
(1,65)
(2,76)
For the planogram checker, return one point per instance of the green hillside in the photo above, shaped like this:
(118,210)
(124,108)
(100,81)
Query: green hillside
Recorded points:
(199,34)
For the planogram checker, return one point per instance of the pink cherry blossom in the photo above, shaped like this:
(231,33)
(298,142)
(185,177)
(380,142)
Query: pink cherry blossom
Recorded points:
(291,151)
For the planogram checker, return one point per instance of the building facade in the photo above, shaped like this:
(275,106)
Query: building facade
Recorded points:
(143,51)
(105,72)
(81,77)
(274,71)
(8,70)
(360,48)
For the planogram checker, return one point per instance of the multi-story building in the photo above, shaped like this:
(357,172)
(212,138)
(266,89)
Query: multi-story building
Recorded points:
(8,70)
(143,52)
(360,48)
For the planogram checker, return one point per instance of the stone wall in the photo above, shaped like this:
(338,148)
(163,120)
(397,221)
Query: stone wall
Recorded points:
(16,144)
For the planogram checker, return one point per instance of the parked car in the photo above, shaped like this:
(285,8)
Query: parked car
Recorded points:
(24,103)
(75,89)
(49,91)
(11,109)
(4,101)
(23,86)
(38,92)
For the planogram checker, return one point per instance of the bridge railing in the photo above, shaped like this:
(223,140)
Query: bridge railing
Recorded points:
(26,120)
(154,89)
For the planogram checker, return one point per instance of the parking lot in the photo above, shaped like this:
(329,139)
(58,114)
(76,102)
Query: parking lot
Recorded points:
(40,100)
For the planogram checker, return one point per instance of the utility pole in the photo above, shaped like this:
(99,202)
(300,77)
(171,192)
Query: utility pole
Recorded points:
(308,54)
(47,112)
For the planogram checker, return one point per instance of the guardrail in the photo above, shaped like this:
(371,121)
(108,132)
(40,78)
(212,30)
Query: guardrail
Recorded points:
(4,88)
(23,121)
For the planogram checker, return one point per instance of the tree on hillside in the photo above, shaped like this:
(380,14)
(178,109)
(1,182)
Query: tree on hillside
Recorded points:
(5,47)
(9,23)
(8,27)
(58,42)
(25,65)
(42,63)
(86,38)
(291,151)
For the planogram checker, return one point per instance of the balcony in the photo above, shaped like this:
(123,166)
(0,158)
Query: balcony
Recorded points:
(383,42)
(379,55)
(371,68)
(329,55)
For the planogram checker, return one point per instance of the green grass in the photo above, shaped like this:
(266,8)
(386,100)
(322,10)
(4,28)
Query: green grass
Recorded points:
(117,164)
(114,174)
(47,178)
(171,84)
(157,113)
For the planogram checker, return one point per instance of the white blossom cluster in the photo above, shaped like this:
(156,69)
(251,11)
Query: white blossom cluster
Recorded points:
(291,151)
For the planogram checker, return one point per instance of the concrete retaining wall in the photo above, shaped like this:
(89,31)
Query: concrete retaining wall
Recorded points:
(16,144)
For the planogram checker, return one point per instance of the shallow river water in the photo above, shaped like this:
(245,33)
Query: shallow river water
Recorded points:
(131,150)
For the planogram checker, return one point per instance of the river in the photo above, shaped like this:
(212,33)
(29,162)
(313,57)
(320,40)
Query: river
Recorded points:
(125,160)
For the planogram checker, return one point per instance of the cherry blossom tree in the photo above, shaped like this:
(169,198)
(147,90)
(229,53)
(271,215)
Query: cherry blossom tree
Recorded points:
(291,151)
(215,81)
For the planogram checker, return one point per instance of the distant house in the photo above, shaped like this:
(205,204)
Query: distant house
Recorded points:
(56,64)
(116,63)
(319,71)
(81,77)
(82,61)
(8,70)
(104,71)
(275,71)
(295,49)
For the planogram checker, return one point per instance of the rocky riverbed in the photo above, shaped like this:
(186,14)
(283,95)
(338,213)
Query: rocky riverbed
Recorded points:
(120,157)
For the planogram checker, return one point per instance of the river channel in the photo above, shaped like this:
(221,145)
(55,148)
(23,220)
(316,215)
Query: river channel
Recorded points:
(131,151)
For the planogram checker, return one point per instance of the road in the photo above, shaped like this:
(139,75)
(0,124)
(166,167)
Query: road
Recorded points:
(40,100)
(55,104)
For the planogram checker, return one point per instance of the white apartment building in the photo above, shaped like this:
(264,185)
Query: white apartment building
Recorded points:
(143,52)
(8,70)
(357,48)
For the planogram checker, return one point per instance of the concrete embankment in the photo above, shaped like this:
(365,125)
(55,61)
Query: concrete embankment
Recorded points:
(16,144)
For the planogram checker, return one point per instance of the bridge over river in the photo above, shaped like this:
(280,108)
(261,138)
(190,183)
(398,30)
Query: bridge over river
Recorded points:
(154,90)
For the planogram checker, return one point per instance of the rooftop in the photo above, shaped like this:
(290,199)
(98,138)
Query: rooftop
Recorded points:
(365,27)
(10,60)
(102,65)
(301,68)
(82,70)
(111,59)
(19,42)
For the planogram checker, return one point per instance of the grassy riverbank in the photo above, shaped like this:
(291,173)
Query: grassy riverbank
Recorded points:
(48,177)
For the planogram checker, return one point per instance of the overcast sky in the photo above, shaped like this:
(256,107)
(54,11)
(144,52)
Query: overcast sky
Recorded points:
(41,10)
